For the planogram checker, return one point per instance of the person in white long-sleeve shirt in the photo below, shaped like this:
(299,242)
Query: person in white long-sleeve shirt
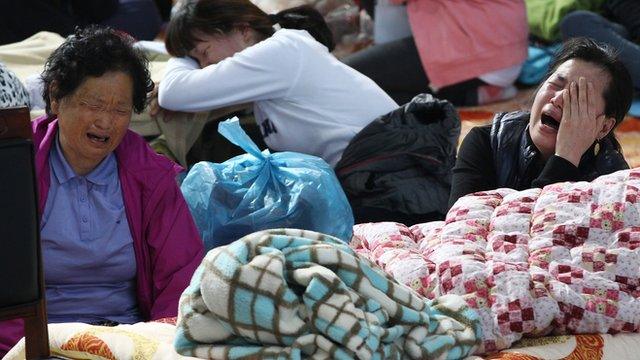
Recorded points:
(227,52)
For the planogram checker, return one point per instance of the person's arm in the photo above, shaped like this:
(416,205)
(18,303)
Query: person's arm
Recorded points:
(263,71)
(557,169)
(176,249)
(627,13)
(474,170)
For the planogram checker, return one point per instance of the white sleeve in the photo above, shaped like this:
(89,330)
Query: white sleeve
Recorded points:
(263,71)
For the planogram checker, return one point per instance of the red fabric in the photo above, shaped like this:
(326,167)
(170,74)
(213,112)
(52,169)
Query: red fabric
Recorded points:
(459,40)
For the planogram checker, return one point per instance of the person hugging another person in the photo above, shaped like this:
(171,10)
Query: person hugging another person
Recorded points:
(231,52)
(118,242)
(567,135)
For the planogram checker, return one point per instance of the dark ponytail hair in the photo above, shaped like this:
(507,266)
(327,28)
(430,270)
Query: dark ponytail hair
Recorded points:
(307,18)
(222,16)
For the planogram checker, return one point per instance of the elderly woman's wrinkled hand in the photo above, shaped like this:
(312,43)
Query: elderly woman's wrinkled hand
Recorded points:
(580,124)
(155,110)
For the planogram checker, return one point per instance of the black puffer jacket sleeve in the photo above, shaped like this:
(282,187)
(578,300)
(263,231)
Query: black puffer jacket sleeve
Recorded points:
(557,169)
(474,170)
(402,161)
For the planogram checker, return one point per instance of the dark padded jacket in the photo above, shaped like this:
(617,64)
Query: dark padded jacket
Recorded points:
(514,153)
(402,161)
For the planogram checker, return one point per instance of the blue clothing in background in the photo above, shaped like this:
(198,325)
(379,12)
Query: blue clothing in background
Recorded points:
(88,255)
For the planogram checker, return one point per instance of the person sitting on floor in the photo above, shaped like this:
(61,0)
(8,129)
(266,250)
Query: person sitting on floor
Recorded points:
(305,100)
(618,26)
(467,52)
(567,135)
(22,19)
(118,241)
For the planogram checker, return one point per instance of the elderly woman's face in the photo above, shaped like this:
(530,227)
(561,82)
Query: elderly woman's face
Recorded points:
(94,119)
(547,109)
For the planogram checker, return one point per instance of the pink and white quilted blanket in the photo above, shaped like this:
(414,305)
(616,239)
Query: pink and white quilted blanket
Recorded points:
(562,260)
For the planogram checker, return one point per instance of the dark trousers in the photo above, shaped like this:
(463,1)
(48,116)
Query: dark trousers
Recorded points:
(396,67)
(140,19)
(592,25)
(20,19)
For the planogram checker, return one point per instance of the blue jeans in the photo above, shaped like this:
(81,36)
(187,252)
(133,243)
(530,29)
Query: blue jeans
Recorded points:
(589,24)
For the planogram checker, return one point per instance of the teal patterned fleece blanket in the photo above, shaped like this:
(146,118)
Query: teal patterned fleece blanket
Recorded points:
(291,294)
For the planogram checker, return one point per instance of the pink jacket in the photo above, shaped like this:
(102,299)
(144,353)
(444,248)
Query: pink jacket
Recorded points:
(167,244)
(462,39)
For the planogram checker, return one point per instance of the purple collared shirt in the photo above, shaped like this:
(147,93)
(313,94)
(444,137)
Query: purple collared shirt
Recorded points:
(87,247)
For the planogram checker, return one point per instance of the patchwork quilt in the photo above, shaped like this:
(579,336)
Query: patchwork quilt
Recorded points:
(564,259)
(290,294)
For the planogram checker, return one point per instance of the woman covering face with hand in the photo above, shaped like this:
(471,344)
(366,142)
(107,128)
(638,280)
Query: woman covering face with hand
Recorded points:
(567,135)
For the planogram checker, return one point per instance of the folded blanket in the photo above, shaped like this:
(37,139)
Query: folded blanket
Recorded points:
(294,293)
(562,260)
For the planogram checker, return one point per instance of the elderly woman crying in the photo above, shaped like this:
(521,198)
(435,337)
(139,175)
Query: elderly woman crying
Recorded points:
(118,242)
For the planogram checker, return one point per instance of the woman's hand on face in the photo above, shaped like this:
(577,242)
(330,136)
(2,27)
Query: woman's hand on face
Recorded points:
(579,125)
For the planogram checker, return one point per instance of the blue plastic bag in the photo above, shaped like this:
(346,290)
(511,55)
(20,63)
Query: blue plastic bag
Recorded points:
(260,190)
(537,64)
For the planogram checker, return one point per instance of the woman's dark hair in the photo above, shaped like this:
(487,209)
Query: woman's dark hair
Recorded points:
(619,92)
(94,51)
(306,18)
(222,16)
